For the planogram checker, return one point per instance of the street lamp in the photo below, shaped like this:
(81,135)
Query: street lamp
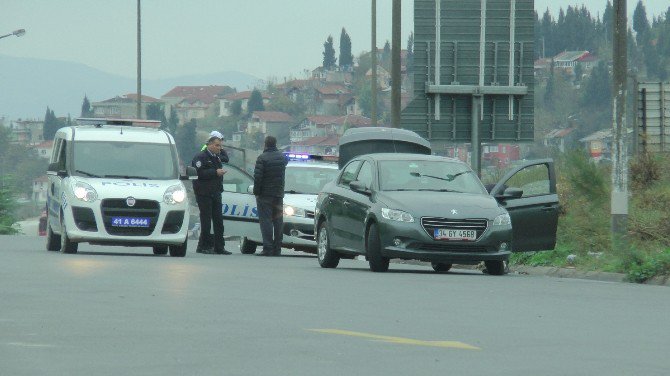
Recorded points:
(18,33)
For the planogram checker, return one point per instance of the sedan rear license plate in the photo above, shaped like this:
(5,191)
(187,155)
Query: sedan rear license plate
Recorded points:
(130,222)
(447,234)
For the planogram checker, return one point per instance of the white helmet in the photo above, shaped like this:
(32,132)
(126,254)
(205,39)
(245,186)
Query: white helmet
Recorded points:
(216,134)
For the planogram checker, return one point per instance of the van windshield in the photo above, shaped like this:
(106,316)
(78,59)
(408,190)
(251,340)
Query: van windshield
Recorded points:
(124,160)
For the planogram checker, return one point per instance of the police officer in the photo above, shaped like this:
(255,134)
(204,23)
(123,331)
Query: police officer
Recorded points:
(223,156)
(269,178)
(208,188)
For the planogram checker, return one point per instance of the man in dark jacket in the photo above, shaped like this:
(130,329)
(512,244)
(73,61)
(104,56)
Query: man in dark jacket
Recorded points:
(208,188)
(269,192)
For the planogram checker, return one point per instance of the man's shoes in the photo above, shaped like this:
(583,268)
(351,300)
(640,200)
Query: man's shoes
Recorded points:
(222,252)
(206,251)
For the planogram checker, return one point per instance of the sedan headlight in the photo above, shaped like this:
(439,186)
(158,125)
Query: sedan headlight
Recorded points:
(292,211)
(397,215)
(502,220)
(175,194)
(84,191)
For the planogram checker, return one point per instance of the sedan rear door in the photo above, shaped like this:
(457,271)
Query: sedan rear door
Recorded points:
(535,213)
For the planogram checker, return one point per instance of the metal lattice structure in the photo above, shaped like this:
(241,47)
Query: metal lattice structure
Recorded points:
(463,80)
(653,116)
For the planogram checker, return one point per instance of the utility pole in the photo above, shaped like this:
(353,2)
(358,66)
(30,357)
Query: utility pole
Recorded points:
(139,62)
(395,65)
(373,66)
(619,195)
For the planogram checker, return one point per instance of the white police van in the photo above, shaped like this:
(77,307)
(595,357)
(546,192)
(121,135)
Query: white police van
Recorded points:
(305,176)
(116,182)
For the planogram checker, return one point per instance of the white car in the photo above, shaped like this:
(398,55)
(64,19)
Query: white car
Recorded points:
(305,176)
(116,182)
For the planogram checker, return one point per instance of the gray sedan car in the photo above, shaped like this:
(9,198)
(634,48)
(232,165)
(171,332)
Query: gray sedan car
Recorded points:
(435,209)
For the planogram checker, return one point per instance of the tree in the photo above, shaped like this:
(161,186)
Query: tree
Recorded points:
(173,121)
(51,125)
(236,107)
(329,59)
(386,56)
(155,112)
(410,53)
(640,23)
(255,102)
(186,141)
(597,91)
(86,110)
(346,58)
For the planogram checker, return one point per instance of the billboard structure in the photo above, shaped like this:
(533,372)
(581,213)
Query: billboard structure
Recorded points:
(473,72)
(653,116)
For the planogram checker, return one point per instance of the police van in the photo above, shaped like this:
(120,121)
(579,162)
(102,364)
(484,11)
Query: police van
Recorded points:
(116,182)
(305,176)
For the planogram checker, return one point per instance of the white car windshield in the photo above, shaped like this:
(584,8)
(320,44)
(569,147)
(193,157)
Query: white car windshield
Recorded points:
(428,176)
(307,180)
(124,160)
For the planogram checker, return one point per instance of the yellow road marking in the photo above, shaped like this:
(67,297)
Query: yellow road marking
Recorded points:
(398,340)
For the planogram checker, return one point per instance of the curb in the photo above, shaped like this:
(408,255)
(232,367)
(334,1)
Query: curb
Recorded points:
(560,273)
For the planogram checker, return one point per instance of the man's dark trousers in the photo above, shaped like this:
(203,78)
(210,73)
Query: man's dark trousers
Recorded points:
(271,218)
(210,212)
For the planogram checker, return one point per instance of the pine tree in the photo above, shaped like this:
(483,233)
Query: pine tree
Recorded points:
(410,53)
(50,125)
(329,59)
(346,58)
(86,110)
(186,141)
(255,102)
(640,23)
(173,121)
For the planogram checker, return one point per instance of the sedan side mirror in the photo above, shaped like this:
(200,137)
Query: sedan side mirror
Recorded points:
(191,174)
(359,187)
(511,193)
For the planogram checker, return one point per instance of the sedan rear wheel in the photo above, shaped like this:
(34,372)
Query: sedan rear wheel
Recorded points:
(495,267)
(327,257)
(440,267)
(378,263)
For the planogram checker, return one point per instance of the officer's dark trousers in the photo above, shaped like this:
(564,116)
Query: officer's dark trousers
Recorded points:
(271,219)
(210,213)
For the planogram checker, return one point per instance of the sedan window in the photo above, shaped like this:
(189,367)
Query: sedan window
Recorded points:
(349,173)
(365,174)
(433,175)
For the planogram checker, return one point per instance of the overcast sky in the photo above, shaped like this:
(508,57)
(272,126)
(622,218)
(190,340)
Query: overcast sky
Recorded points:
(265,38)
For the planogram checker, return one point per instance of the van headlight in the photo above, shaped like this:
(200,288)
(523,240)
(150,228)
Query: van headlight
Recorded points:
(502,220)
(175,194)
(84,191)
(292,211)
(397,215)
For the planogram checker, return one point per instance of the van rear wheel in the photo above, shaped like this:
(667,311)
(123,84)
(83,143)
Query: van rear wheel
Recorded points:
(160,249)
(53,240)
(178,250)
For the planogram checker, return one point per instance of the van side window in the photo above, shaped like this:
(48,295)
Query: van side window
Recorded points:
(56,152)
(62,156)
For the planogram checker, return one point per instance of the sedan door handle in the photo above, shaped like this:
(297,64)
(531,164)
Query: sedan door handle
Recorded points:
(549,208)
(346,203)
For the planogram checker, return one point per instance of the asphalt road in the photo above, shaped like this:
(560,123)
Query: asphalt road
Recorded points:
(123,311)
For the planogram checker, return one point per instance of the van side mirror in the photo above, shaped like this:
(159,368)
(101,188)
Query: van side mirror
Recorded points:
(250,189)
(54,170)
(191,174)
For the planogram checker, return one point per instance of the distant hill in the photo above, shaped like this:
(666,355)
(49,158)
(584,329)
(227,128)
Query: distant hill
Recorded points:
(28,86)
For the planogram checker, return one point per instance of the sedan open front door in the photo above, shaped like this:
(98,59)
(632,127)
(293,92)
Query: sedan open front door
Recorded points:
(528,192)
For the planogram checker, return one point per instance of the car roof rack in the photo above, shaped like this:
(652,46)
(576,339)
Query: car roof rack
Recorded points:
(120,122)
